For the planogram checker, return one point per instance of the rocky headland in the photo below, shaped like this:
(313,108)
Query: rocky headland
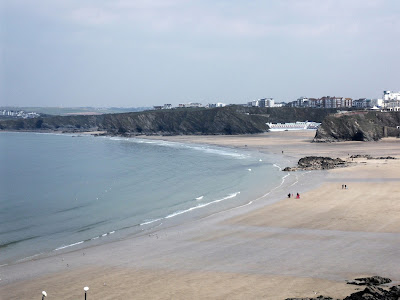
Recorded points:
(231,120)
(358,126)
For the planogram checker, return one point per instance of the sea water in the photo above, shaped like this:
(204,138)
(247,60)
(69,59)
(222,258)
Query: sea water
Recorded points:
(62,191)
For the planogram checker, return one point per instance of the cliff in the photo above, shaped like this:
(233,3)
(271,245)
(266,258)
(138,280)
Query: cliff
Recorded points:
(226,120)
(184,121)
(358,126)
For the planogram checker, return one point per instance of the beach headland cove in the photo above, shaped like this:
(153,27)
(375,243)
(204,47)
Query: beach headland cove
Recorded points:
(273,248)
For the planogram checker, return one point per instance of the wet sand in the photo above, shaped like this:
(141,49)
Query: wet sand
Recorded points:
(267,250)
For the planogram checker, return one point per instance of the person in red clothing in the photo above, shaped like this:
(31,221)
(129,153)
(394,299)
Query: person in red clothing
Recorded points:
(298,196)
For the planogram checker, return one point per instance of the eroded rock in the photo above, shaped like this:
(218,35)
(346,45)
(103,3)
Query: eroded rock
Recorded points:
(374,280)
(317,163)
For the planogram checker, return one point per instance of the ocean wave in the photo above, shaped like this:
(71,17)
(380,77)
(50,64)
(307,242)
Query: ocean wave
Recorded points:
(276,166)
(202,148)
(81,242)
(28,257)
(150,221)
(230,196)
(294,183)
(70,245)
(180,212)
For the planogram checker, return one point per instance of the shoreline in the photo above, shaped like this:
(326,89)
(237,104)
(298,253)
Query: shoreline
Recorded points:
(264,250)
(159,224)
(183,216)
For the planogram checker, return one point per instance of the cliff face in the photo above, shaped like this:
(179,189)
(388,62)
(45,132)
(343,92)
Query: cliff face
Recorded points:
(226,120)
(186,121)
(365,126)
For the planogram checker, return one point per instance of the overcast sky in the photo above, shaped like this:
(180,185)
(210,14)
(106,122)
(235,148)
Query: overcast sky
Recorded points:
(141,53)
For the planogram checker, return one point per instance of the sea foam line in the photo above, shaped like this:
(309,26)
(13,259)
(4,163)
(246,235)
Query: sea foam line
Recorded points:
(81,242)
(150,221)
(67,246)
(28,257)
(180,212)
(201,205)
(202,148)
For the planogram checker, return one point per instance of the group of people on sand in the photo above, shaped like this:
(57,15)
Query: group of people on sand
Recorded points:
(291,196)
(344,186)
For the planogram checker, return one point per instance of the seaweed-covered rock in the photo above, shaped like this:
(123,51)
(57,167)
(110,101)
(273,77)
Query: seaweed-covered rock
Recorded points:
(376,293)
(320,163)
(317,298)
(317,163)
(374,280)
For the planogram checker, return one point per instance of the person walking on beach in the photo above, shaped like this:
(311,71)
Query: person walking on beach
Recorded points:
(288,195)
(298,196)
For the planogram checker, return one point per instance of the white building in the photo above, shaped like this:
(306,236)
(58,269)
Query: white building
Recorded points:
(388,96)
(269,102)
(391,100)
(218,104)
(190,104)
(377,102)
(302,102)
(167,106)
(264,102)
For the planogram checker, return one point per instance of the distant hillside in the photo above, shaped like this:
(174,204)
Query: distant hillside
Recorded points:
(226,120)
(64,111)
(363,126)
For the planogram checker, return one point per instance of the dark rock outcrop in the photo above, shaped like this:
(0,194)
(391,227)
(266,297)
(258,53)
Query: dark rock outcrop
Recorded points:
(371,292)
(317,298)
(370,157)
(376,293)
(374,280)
(317,163)
(360,126)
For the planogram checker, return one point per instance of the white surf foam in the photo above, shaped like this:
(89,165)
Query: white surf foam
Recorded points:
(203,148)
(150,221)
(67,246)
(230,196)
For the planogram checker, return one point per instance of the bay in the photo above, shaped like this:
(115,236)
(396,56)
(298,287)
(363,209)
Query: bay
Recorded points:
(64,191)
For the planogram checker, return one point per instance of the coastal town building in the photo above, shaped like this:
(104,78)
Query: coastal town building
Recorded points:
(218,104)
(364,103)
(18,114)
(264,102)
(190,105)
(391,101)
(389,96)
(165,106)
(323,102)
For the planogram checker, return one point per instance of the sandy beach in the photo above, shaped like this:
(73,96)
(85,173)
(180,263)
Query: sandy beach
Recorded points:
(274,248)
